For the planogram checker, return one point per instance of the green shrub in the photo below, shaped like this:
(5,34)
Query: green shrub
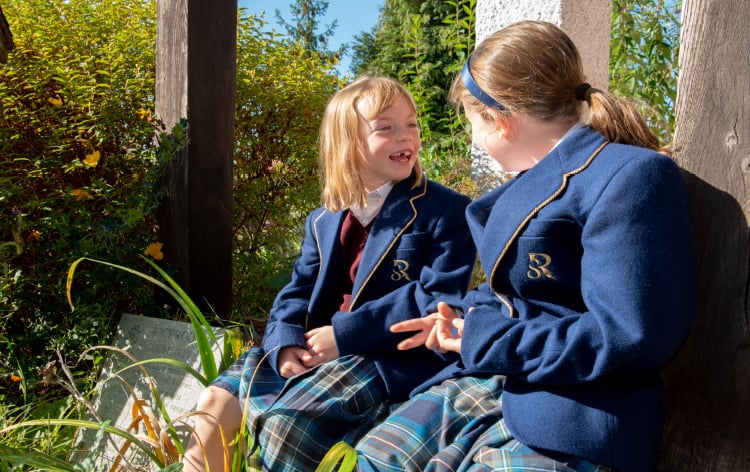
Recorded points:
(79,172)
(282,91)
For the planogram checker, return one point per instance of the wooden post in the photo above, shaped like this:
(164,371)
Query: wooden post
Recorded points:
(6,38)
(196,73)
(707,426)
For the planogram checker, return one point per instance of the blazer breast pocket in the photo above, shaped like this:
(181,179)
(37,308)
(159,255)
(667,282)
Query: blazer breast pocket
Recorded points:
(547,258)
(407,258)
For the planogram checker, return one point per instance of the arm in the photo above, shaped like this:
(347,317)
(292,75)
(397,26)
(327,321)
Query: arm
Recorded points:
(287,319)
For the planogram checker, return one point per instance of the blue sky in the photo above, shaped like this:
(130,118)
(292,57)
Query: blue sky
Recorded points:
(353,17)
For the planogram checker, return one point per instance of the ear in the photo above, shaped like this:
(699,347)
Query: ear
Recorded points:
(503,122)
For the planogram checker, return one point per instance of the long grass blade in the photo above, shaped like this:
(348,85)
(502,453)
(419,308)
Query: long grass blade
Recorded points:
(89,425)
(37,460)
(341,452)
(201,327)
(204,334)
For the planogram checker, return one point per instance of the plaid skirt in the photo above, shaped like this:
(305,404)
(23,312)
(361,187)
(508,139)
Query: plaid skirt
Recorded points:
(457,425)
(296,421)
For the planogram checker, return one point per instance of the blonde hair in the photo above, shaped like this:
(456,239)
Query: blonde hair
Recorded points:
(533,67)
(341,139)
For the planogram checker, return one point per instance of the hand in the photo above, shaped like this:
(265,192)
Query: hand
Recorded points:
(443,337)
(448,334)
(290,361)
(426,327)
(321,346)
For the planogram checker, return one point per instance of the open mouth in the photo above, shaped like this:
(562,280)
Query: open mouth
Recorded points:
(402,156)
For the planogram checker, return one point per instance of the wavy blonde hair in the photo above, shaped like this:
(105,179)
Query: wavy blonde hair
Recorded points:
(341,139)
(533,67)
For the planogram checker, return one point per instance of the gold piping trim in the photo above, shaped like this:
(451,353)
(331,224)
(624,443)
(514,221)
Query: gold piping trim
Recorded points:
(320,256)
(390,246)
(554,195)
(317,236)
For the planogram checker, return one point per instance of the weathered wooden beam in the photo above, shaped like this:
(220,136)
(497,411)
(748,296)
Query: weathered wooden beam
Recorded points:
(196,73)
(707,425)
(6,38)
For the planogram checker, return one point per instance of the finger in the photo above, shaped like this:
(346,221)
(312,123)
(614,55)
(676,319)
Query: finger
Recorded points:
(432,341)
(291,368)
(408,325)
(412,342)
(458,323)
(318,359)
(445,333)
(446,340)
(446,311)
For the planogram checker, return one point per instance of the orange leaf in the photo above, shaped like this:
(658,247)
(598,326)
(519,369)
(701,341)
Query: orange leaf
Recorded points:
(154,250)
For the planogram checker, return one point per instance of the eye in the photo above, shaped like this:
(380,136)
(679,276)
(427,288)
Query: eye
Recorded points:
(412,125)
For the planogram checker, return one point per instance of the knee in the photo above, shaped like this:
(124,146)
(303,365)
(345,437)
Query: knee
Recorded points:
(219,403)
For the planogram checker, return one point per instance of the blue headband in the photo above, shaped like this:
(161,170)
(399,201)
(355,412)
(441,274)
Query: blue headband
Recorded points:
(476,90)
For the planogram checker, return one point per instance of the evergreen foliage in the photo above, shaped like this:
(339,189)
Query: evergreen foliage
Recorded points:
(643,58)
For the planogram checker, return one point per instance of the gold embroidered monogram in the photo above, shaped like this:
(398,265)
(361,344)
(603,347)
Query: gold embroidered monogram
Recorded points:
(399,270)
(538,266)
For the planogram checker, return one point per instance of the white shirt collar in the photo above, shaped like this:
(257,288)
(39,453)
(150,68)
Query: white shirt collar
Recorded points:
(375,200)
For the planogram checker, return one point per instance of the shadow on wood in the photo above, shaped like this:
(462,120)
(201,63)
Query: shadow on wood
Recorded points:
(707,424)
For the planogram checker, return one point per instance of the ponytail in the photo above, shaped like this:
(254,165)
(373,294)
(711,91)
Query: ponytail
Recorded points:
(618,120)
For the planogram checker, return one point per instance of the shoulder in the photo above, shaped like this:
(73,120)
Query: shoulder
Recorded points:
(639,163)
(321,217)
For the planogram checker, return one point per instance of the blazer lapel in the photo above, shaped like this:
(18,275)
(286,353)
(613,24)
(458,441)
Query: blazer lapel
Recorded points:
(327,227)
(396,216)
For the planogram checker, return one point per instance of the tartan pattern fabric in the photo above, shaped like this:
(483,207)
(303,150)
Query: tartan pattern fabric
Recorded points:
(456,426)
(295,422)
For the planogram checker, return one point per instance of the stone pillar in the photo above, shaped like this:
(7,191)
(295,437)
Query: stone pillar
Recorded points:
(587,22)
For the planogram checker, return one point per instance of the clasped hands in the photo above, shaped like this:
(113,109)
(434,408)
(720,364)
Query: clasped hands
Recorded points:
(320,347)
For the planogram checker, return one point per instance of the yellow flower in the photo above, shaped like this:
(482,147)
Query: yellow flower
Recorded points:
(80,194)
(56,102)
(92,159)
(144,114)
(154,250)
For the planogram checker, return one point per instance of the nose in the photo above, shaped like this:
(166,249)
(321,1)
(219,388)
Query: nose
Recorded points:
(402,133)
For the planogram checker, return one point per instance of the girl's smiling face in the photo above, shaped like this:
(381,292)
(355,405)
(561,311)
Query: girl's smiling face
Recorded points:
(390,141)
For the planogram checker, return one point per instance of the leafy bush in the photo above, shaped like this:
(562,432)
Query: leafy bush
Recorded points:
(282,91)
(79,171)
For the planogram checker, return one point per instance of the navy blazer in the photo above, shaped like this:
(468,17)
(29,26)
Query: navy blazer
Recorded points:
(419,252)
(590,289)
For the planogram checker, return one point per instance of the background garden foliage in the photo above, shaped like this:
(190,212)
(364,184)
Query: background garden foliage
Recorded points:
(78,176)
(80,166)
